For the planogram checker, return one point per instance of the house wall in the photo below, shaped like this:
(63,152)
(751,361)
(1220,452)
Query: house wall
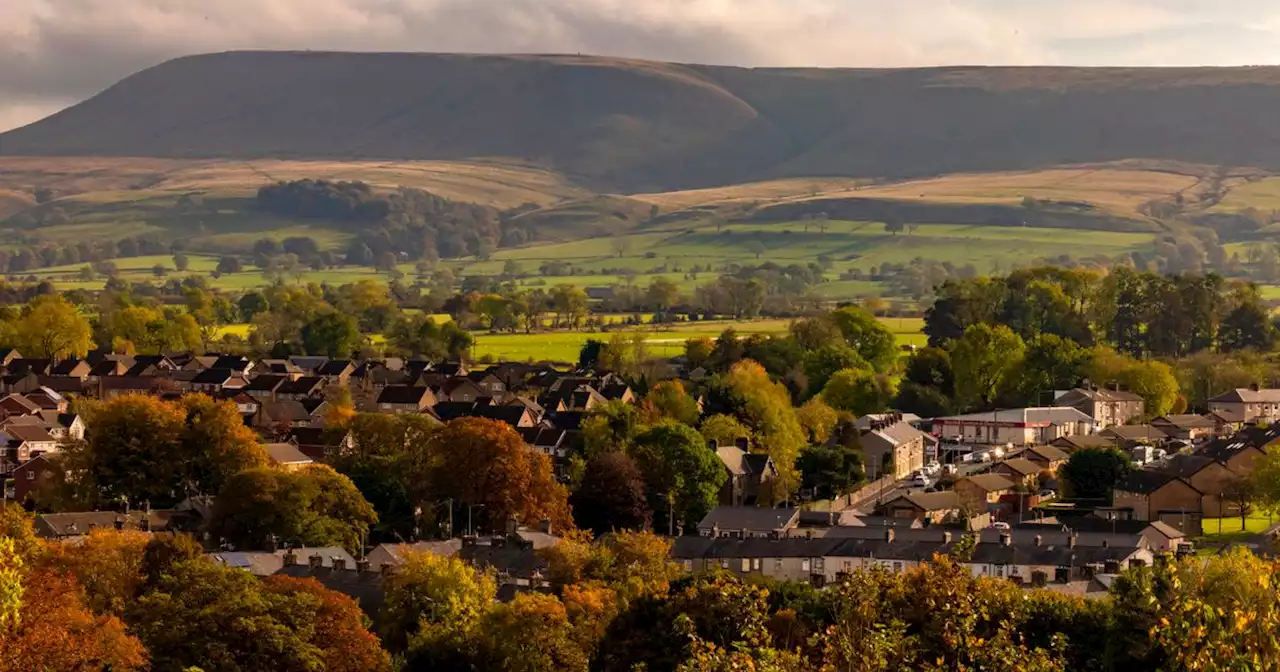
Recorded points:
(988,434)
(1175,496)
(1211,481)
(974,498)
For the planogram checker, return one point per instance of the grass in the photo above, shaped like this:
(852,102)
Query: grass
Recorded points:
(1229,530)
(1263,194)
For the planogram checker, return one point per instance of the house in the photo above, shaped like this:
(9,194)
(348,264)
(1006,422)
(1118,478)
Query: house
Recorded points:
(981,493)
(211,381)
(1125,436)
(146,366)
(1093,531)
(783,559)
(63,385)
(1070,444)
(1047,458)
(892,446)
(71,526)
(71,368)
(924,508)
(747,521)
(361,582)
(29,476)
(287,456)
(1251,404)
(303,387)
(1107,407)
(67,427)
(282,416)
(1185,427)
(1226,422)
(7,355)
(27,441)
(118,386)
(1152,495)
(16,404)
(1239,452)
(48,400)
(750,475)
(405,399)
(518,417)
(460,390)
(1017,426)
(1020,470)
(490,385)
(279,367)
(266,386)
(267,563)
(318,442)
(393,555)
(336,371)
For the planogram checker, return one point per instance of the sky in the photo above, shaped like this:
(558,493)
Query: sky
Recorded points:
(54,53)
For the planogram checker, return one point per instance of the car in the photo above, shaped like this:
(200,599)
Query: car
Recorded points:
(967,458)
(932,468)
(1048,494)
(950,469)
(921,481)
(1000,526)
(997,452)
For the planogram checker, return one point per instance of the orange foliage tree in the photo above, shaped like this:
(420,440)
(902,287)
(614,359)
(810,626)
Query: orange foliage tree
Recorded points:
(476,461)
(341,629)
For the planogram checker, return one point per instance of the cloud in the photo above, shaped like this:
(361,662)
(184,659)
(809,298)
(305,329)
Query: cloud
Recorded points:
(56,52)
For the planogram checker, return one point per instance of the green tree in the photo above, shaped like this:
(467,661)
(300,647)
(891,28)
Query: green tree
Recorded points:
(181,262)
(766,409)
(229,264)
(610,426)
(669,399)
(983,360)
(870,337)
(831,471)
(823,363)
(682,475)
(432,605)
(332,334)
(252,304)
(1051,363)
(858,391)
(314,506)
(1092,473)
(724,430)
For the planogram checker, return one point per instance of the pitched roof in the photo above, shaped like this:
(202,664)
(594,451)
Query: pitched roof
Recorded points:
(543,437)
(266,563)
(286,453)
(213,377)
(1144,481)
(1185,421)
(1249,396)
(335,367)
(1052,453)
(1046,415)
(267,382)
(1183,465)
(402,394)
(285,409)
(1101,394)
(1079,441)
(1022,466)
(748,518)
(452,410)
(1135,433)
(34,433)
(989,482)
(511,415)
(943,500)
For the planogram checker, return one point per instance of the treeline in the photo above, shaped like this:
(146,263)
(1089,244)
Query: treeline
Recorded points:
(408,224)
(28,258)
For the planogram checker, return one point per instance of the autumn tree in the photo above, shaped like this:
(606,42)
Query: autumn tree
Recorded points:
(107,563)
(767,410)
(314,506)
(611,495)
(432,605)
(668,399)
(51,327)
(610,426)
(858,391)
(682,475)
(144,449)
(480,462)
(817,419)
(216,618)
(723,430)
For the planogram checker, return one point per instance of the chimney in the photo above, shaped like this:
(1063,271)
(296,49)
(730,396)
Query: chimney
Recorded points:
(339,564)
(1006,539)
(387,569)
(1106,543)
(544,526)
(469,540)
(1071,540)
(512,525)
(1253,386)
(1039,540)
(888,534)
(272,544)
(362,565)
(290,558)
(713,444)
(743,444)
(946,536)
(715,530)
(119,522)
(316,561)
(146,521)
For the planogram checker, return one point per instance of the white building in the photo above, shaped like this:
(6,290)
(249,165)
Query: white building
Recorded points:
(1018,426)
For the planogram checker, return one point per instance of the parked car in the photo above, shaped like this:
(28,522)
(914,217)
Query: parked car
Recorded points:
(1000,525)
(1048,494)
(920,481)
(950,469)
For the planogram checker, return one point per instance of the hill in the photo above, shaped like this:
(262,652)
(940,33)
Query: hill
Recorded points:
(629,126)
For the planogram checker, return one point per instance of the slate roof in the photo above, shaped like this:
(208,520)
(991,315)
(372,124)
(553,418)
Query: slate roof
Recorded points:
(213,377)
(285,409)
(748,518)
(510,415)
(266,563)
(1249,396)
(1136,433)
(267,382)
(1185,421)
(286,453)
(1144,481)
(402,394)
(1183,465)
(990,482)
(543,437)
(363,587)
(1021,466)
(944,500)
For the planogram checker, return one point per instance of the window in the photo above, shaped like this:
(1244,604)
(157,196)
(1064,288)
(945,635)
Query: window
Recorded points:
(804,564)
(819,564)
(746,565)
(31,475)
(1000,571)
(724,563)
(756,564)
(688,565)
(777,564)
(897,567)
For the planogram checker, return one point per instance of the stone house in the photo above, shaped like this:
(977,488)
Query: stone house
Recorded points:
(1107,407)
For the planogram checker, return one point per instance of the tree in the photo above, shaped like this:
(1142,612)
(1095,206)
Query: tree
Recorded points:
(252,304)
(1153,381)
(697,351)
(332,334)
(314,506)
(609,426)
(50,327)
(55,630)
(756,247)
(181,261)
(682,475)
(1265,479)
(229,264)
(432,604)
(336,624)
(1247,325)
(479,462)
(222,618)
(724,430)
(823,363)
(766,409)
(107,563)
(1051,363)
(503,642)
(611,495)
(620,245)
(669,399)
(893,225)
(144,449)
(662,294)
(1092,473)
(858,391)
(831,471)
(870,337)
(818,420)
(983,360)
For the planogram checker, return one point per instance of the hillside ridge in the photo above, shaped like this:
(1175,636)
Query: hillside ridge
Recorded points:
(628,125)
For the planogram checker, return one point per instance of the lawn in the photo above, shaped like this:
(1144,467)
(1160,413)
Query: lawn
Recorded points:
(1229,530)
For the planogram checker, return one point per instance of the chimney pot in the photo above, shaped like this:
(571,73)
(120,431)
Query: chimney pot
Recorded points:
(544,526)
(290,558)
(1006,539)
(1071,540)
(1039,540)
(946,537)
(317,561)
(1106,543)
(338,564)
(743,444)
(362,565)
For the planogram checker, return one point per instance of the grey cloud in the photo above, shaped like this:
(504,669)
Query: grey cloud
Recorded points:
(54,52)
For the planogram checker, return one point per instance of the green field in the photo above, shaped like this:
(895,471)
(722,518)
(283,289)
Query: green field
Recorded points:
(1229,530)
